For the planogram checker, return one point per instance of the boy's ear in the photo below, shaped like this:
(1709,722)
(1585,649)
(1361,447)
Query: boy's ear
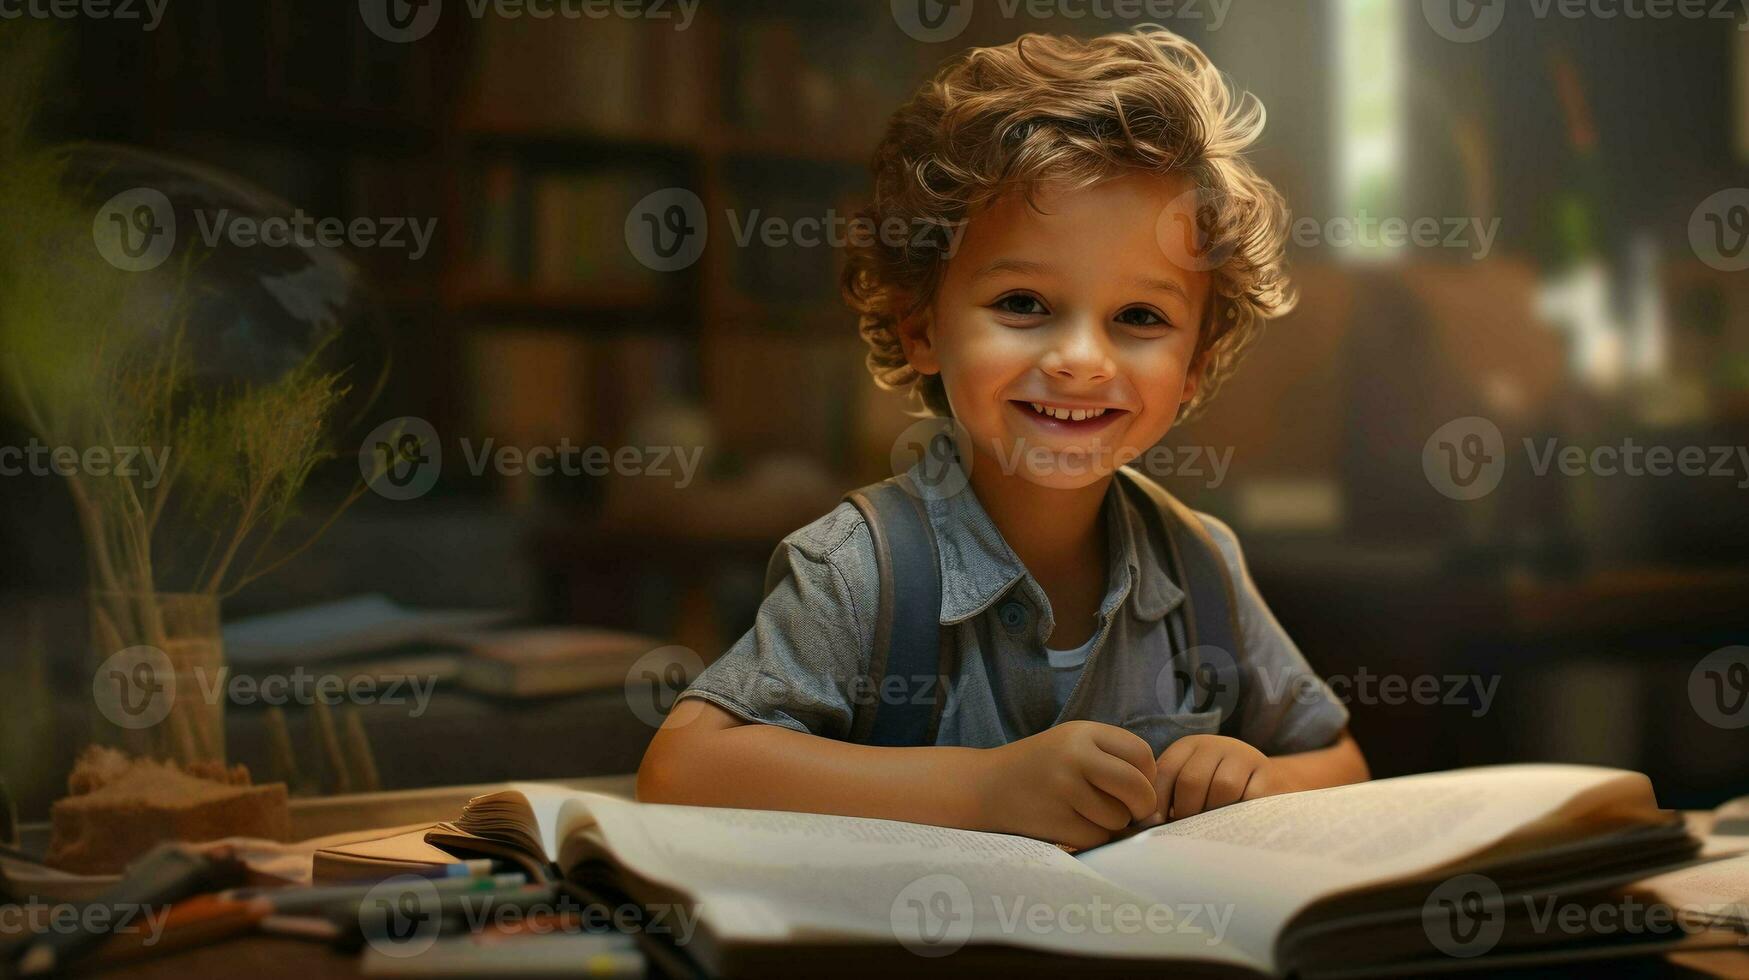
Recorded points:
(1199,361)
(1193,377)
(917,338)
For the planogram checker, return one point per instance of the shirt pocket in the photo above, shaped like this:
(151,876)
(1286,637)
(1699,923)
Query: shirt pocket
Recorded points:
(1161,729)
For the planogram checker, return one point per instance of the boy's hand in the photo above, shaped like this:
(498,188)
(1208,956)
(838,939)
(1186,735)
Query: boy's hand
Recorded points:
(1075,783)
(1204,772)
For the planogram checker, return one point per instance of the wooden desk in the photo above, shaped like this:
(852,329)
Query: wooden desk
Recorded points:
(273,957)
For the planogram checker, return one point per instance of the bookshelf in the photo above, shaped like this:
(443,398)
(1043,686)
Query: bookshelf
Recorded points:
(529,141)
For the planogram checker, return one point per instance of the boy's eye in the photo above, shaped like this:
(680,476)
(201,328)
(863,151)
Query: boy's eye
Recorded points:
(1020,304)
(1141,316)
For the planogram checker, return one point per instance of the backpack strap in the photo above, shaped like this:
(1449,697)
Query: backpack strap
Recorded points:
(896,706)
(908,637)
(1211,605)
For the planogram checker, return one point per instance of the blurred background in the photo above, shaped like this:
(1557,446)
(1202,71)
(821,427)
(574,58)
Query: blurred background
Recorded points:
(1511,223)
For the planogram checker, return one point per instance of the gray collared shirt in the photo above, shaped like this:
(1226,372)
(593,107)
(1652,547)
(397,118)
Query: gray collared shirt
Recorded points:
(802,665)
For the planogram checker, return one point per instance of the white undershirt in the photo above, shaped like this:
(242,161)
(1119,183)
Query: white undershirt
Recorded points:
(1066,668)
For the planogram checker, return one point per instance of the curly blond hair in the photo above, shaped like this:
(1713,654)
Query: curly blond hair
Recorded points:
(1044,107)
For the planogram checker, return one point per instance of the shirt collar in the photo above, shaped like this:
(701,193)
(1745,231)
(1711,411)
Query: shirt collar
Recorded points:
(978,567)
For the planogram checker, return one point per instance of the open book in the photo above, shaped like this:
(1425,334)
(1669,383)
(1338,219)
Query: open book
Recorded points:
(1435,870)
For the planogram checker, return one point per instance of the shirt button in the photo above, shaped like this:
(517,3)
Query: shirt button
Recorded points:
(1012,615)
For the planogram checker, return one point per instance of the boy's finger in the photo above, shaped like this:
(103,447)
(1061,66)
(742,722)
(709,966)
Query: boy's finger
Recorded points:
(1166,772)
(1229,782)
(1126,745)
(1081,833)
(1121,780)
(1103,809)
(1190,790)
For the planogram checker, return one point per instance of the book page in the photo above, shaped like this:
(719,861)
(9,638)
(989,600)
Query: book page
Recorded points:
(1269,858)
(1716,892)
(546,802)
(771,876)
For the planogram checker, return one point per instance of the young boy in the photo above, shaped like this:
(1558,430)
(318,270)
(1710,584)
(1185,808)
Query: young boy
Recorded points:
(1064,332)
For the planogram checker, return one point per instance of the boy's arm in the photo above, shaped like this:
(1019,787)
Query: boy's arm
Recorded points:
(705,756)
(1074,784)
(1335,765)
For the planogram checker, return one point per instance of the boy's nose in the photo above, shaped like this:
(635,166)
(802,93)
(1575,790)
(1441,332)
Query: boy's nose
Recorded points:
(1079,350)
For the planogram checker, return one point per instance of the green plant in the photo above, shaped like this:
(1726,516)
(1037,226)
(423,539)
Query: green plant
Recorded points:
(94,357)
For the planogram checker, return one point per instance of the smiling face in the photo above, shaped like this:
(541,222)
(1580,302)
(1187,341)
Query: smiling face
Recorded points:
(1065,339)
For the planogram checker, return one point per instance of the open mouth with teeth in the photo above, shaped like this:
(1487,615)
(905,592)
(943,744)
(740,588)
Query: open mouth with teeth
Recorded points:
(1057,416)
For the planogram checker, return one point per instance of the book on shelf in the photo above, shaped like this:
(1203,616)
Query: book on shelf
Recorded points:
(558,236)
(497,253)
(612,76)
(549,660)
